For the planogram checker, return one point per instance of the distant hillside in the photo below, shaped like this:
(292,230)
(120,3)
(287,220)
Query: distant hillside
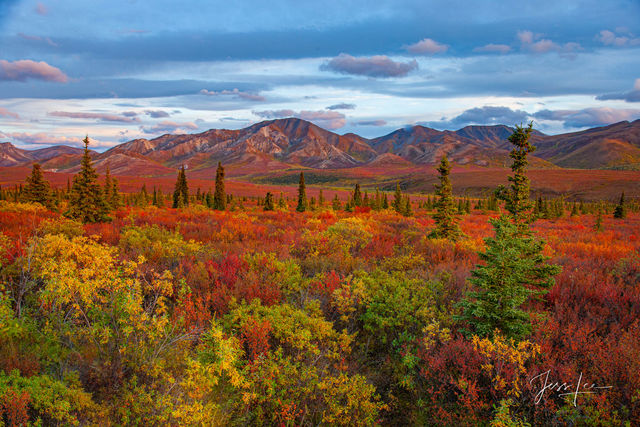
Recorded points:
(294,143)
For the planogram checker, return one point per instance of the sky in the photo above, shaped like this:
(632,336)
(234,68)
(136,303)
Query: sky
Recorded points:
(118,70)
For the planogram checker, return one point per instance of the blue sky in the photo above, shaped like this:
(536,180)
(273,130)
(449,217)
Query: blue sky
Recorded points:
(120,70)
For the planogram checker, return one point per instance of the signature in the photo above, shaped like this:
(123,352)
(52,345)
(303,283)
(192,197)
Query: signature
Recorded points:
(565,389)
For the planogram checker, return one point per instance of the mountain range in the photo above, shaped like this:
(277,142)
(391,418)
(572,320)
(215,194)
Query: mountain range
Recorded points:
(290,143)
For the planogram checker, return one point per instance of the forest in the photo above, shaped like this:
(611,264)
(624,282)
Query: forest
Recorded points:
(210,308)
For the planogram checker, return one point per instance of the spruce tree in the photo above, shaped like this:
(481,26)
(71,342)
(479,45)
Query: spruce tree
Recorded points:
(514,268)
(398,199)
(282,204)
(268,202)
(407,210)
(302,195)
(620,211)
(445,216)
(115,201)
(86,200)
(598,225)
(37,189)
(181,190)
(219,196)
(357,196)
(335,203)
(385,201)
(321,199)
(108,187)
(516,197)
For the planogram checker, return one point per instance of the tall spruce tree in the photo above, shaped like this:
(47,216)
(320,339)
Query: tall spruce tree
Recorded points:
(397,203)
(181,190)
(445,216)
(219,196)
(620,212)
(37,189)
(514,268)
(268,202)
(516,197)
(302,195)
(86,200)
(357,196)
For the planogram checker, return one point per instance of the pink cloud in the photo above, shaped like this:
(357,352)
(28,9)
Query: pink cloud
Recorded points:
(46,40)
(374,66)
(25,69)
(42,138)
(428,47)
(497,48)
(6,113)
(41,9)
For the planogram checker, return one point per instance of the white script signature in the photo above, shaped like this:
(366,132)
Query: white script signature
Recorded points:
(563,388)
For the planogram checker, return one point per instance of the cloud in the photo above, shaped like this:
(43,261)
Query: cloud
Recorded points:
(632,96)
(535,43)
(588,117)
(6,113)
(375,66)
(169,127)
(491,48)
(427,47)
(25,69)
(609,38)
(342,106)
(235,92)
(42,138)
(325,119)
(156,114)
(41,9)
(371,123)
(483,116)
(46,40)
(532,42)
(104,117)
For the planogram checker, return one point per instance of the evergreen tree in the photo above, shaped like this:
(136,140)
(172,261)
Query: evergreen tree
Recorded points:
(219,196)
(598,225)
(574,209)
(108,188)
(357,196)
(181,190)
(268,202)
(321,199)
(302,195)
(445,216)
(385,201)
(335,203)
(37,189)
(407,210)
(514,268)
(516,197)
(398,199)
(620,211)
(377,201)
(282,204)
(115,201)
(86,200)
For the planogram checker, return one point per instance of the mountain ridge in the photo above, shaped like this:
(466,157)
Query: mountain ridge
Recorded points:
(293,142)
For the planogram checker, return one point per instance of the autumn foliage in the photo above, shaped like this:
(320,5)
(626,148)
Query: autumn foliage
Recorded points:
(196,316)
